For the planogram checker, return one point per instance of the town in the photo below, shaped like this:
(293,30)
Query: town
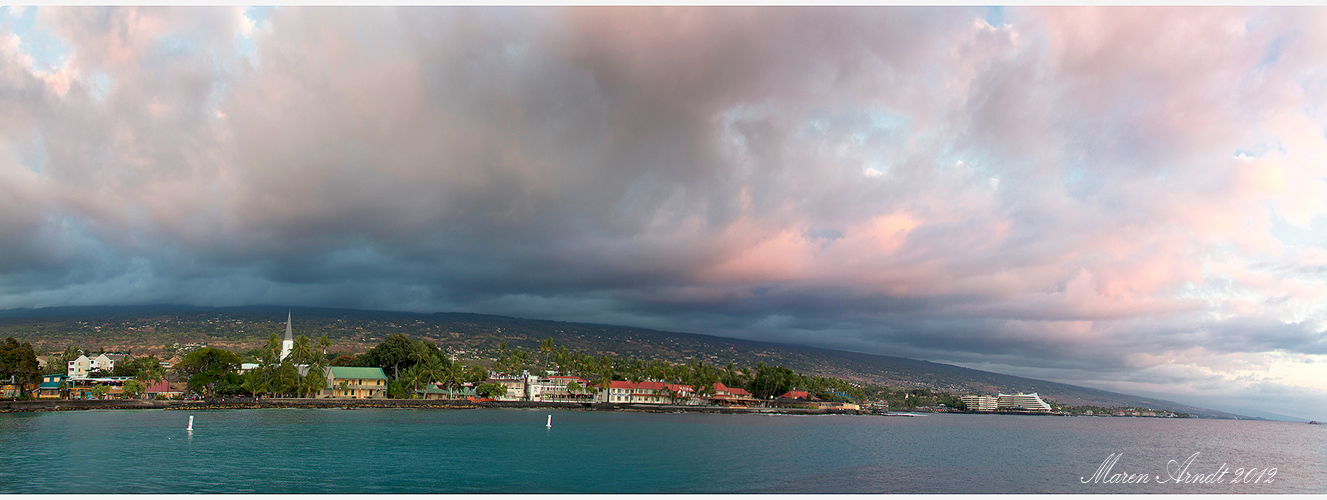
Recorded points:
(400,368)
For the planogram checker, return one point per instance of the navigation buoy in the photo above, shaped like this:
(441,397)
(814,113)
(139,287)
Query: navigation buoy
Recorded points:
(550,422)
(191,423)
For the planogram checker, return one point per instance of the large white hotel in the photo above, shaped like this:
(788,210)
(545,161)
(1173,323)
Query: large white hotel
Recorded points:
(1015,402)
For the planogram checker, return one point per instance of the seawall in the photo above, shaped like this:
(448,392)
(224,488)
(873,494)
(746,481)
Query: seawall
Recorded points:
(252,403)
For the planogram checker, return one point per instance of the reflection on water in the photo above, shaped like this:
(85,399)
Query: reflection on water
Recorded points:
(471,451)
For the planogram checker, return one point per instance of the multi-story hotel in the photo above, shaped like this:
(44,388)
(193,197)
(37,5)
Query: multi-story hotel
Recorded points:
(980,403)
(1023,402)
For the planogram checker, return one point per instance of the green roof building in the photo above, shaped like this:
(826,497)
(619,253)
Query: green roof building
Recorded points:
(355,382)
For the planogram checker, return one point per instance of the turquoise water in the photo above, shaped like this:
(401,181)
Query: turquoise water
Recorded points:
(511,451)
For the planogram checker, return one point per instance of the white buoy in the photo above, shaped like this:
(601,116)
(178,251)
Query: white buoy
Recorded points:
(550,422)
(191,423)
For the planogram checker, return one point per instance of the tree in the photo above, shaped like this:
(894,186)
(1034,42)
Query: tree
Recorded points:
(412,379)
(491,390)
(476,374)
(134,389)
(207,367)
(397,352)
(100,391)
(18,361)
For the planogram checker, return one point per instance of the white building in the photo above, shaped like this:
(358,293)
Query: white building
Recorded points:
(980,403)
(81,367)
(1024,402)
(554,388)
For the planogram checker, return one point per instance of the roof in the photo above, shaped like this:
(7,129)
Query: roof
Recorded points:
(796,395)
(649,386)
(736,391)
(358,372)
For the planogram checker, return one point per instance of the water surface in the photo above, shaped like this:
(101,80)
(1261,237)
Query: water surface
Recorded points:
(511,451)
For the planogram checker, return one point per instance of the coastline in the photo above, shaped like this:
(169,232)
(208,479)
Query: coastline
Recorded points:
(251,403)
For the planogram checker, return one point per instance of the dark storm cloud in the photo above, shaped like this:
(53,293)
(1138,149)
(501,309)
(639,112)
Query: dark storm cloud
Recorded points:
(1110,196)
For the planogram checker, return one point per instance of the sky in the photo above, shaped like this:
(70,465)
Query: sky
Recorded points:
(1131,199)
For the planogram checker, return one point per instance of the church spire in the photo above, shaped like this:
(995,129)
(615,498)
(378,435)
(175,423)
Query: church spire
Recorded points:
(289,343)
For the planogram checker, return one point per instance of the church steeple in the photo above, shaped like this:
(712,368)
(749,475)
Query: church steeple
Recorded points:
(289,343)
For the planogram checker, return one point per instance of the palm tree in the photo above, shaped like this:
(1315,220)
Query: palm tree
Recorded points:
(412,378)
(302,352)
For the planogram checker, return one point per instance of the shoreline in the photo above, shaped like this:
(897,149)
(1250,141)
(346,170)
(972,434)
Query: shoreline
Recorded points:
(251,403)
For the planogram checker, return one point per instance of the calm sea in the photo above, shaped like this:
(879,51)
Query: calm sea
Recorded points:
(449,451)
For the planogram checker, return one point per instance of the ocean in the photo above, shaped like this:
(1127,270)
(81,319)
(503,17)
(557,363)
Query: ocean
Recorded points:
(512,451)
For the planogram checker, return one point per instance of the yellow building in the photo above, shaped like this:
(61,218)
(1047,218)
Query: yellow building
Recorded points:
(355,382)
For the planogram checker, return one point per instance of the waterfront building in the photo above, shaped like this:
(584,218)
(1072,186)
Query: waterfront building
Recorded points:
(980,403)
(554,388)
(803,395)
(433,391)
(1021,402)
(10,388)
(623,391)
(50,387)
(81,388)
(355,382)
(515,387)
(161,389)
(731,395)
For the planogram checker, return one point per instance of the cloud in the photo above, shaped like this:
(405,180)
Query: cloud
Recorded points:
(1075,190)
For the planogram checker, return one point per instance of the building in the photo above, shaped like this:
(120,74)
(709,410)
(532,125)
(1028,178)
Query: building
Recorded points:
(725,395)
(433,391)
(289,343)
(81,388)
(10,389)
(1021,402)
(980,403)
(81,367)
(798,395)
(355,382)
(515,387)
(161,389)
(554,388)
(50,387)
(621,391)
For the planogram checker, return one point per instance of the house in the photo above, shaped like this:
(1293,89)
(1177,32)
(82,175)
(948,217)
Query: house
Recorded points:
(621,391)
(355,382)
(725,395)
(50,387)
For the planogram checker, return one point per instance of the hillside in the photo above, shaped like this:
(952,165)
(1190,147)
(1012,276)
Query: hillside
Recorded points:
(158,328)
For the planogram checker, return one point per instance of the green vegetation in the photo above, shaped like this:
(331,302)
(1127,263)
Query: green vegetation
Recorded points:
(211,371)
(18,362)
